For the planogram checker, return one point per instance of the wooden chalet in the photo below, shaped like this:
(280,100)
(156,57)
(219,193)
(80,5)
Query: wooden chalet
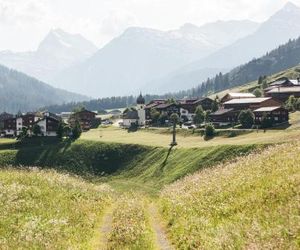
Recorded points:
(85,117)
(277,114)
(223,117)
(283,93)
(10,127)
(130,118)
(49,125)
(168,108)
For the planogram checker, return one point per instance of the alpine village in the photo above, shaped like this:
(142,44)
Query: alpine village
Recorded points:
(150,125)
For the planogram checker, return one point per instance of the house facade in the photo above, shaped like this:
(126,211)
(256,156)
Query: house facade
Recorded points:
(230,110)
(136,116)
(283,93)
(85,117)
(48,125)
(277,114)
(188,106)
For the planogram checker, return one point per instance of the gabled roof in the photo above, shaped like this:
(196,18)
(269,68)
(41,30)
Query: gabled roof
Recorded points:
(132,115)
(241,95)
(164,105)
(284,81)
(248,100)
(221,111)
(192,100)
(267,109)
(285,90)
(84,111)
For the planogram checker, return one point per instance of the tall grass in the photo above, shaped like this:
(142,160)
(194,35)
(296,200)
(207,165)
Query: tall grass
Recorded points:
(131,228)
(48,210)
(253,203)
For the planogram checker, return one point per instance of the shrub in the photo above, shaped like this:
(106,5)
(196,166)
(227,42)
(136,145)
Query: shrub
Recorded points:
(76,130)
(246,118)
(199,116)
(209,131)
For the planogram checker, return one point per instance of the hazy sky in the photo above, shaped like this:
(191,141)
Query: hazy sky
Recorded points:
(23,23)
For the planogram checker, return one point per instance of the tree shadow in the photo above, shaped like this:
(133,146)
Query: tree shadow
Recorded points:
(162,166)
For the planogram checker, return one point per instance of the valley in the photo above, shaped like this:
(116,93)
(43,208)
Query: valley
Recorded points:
(183,130)
(116,188)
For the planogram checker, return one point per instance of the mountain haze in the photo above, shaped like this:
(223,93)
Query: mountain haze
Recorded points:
(19,92)
(140,55)
(57,51)
(277,30)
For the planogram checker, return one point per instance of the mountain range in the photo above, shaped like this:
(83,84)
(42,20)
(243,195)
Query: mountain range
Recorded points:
(139,55)
(153,61)
(58,51)
(277,30)
(19,92)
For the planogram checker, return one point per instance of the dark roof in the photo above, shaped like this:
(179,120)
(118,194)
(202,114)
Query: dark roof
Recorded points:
(151,105)
(285,90)
(221,112)
(84,111)
(194,100)
(164,105)
(284,81)
(140,99)
(131,114)
(5,116)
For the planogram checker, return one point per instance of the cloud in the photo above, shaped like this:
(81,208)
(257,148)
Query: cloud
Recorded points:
(101,20)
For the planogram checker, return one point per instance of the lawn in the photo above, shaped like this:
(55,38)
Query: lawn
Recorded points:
(113,134)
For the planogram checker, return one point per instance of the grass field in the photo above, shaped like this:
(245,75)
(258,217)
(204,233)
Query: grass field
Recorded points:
(113,134)
(48,210)
(249,204)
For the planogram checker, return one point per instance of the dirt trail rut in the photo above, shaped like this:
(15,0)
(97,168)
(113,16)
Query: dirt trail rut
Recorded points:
(161,239)
(105,229)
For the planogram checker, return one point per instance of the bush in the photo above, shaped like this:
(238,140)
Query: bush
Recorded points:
(209,131)
(246,118)
(76,130)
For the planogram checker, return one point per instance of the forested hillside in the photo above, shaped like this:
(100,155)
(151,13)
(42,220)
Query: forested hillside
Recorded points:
(282,58)
(19,92)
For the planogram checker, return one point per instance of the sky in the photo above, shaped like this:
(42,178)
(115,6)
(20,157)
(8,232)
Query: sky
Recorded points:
(24,23)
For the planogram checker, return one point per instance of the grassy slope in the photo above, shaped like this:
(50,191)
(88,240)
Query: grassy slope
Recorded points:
(47,210)
(292,73)
(253,203)
(123,165)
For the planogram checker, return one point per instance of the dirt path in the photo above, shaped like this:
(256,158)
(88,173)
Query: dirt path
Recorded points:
(105,229)
(161,239)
